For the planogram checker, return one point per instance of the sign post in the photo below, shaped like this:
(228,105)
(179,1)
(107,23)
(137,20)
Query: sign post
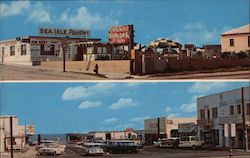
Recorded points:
(124,35)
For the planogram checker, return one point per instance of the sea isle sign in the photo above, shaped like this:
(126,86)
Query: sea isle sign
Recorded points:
(63,32)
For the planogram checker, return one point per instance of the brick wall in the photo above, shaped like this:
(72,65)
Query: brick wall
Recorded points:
(116,66)
(207,64)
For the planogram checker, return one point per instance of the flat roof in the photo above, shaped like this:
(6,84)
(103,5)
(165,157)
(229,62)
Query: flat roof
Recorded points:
(47,37)
(222,92)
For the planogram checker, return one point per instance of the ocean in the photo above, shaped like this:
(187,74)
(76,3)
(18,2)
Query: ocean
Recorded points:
(56,137)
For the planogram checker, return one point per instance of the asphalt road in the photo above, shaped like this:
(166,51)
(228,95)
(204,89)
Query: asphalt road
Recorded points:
(153,152)
(21,72)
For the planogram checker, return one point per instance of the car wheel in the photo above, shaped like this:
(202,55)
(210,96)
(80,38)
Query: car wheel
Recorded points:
(55,153)
(193,147)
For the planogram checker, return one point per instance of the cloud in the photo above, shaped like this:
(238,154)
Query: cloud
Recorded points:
(201,87)
(139,119)
(199,34)
(40,14)
(83,92)
(14,8)
(124,126)
(195,25)
(89,104)
(110,120)
(173,115)
(123,103)
(75,93)
(168,109)
(191,107)
(102,86)
(84,18)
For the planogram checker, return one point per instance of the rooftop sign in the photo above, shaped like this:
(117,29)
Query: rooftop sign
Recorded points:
(121,34)
(63,32)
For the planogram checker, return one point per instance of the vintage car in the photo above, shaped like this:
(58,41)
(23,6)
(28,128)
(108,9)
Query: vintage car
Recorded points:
(158,143)
(93,148)
(52,149)
(122,146)
(190,141)
(49,147)
(170,142)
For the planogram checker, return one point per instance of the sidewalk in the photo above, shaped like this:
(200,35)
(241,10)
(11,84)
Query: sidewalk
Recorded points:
(29,153)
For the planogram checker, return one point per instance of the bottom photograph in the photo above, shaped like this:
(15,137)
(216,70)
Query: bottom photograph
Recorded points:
(125,119)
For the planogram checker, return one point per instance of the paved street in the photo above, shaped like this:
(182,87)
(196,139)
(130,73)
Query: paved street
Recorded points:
(148,152)
(21,72)
(14,72)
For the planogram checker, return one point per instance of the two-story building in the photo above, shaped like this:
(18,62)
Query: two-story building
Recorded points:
(236,40)
(20,133)
(223,118)
(163,127)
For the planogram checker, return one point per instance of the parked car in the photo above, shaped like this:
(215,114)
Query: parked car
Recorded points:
(52,149)
(93,148)
(170,142)
(190,141)
(122,146)
(158,143)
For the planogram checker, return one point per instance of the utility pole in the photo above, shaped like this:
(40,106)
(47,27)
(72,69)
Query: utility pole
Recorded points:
(245,139)
(64,45)
(11,137)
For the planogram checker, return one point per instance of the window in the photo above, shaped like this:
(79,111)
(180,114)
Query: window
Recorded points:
(248,109)
(47,49)
(23,49)
(99,50)
(231,110)
(231,42)
(214,113)
(248,41)
(208,114)
(202,113)
(238,109)
(69,55)
(104,49)
(12,50)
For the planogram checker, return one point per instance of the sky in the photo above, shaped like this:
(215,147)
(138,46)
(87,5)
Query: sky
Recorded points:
(186,21)
(58,108)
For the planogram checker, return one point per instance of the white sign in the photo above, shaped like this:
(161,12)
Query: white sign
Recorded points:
(30,129)
(226,133)
(233,130)
(63,32)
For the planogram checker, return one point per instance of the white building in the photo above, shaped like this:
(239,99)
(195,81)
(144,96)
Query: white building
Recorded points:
(115,135)
(163,127)
(220,115)
(28,50)
(19,133)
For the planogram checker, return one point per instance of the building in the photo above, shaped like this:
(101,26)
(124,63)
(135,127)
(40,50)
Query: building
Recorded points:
(212,51)
(20,133)
(187,129)
(221,118)
(163,127)
(31,49)
(129,133)
(236,40)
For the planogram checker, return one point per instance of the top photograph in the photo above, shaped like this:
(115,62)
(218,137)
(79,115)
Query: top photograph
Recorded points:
(124,40)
